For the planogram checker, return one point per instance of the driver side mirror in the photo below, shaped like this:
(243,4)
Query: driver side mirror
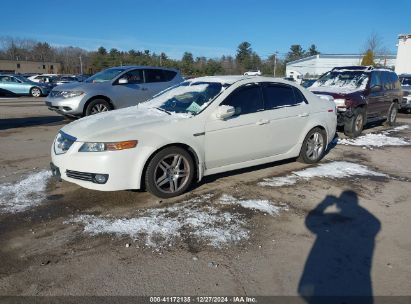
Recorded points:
(376,88)
(224,112)
(123,81)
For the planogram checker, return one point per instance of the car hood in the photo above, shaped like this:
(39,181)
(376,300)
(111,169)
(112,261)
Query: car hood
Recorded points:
(335,90)
(79,86)
(118,125)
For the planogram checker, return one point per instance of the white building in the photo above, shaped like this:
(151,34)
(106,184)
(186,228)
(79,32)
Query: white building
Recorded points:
(403,65)
(319,64)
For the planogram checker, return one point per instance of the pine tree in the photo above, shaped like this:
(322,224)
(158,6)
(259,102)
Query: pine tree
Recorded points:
(368,58)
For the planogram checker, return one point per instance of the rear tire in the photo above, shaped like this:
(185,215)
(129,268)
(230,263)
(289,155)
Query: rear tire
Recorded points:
(97,106)
(35,92)
(313,148)
(170,172)
(392,114)
(354,126)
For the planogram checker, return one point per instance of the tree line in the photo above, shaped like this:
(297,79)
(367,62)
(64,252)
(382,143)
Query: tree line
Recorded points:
(72,59)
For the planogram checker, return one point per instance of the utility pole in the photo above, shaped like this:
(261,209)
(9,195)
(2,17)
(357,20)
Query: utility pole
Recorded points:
(81,66)
(275,62)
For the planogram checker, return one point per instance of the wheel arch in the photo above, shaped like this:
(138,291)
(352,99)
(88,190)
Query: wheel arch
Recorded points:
(188,148)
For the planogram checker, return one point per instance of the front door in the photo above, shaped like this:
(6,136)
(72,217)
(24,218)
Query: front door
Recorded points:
(132,92)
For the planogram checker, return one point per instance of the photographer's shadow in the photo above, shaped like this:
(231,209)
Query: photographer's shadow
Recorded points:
(339,264)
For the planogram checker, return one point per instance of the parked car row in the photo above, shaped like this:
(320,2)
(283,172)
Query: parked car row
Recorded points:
(34,85)
(19,85)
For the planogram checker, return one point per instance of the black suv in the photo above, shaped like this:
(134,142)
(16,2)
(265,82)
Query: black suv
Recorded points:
(362,94)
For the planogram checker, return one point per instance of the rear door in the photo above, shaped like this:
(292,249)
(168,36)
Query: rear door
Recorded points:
(157,80)
(376,95)
(288,113)
(388,80)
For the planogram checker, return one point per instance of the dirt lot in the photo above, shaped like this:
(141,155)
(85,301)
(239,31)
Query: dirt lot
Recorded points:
(342,227)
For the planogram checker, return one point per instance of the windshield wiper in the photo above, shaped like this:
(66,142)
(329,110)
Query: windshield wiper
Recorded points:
(162,110)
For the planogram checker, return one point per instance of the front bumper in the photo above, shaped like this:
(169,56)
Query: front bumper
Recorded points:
(343,116)
(123,168)
(67,106)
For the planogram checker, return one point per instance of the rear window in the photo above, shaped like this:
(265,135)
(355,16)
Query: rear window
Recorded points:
(278,95)
(156,75)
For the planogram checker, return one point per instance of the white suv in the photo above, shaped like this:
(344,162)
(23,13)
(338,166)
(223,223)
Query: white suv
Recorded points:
(113,88)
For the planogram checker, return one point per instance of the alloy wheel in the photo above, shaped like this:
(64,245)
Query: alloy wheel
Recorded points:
(35,92)
(393,114)
(358,124)
(172,173)
(315,146)
(98,108)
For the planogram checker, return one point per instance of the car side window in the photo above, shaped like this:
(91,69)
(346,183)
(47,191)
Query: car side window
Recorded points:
(154,75)
(386,80)
(169,75)
(245,100)
(395,81)
(279,95)
(134,76)
(375,79)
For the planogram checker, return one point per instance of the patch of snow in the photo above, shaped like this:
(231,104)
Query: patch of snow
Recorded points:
(29,192)
(333,170)
(159,227)
(196,218)
(375,140)
(397,129)
(264,206)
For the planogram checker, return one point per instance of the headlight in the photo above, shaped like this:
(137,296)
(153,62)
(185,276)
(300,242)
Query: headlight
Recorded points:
(63,142)
(66,94)
(113,146)
(339,102)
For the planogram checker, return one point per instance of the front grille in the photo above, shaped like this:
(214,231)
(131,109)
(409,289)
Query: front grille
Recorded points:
(80,175)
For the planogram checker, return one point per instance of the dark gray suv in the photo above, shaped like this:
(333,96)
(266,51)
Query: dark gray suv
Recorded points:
(113,88)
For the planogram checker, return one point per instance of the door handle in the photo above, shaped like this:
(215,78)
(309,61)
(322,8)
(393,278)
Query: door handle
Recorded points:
(303,115)
(262,122)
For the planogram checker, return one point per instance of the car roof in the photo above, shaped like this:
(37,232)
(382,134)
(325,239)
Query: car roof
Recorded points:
(230,79)
(129,67)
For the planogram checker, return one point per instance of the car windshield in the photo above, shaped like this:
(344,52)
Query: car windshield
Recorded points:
(105,75)
(343,79)
(187,97)
(21,78)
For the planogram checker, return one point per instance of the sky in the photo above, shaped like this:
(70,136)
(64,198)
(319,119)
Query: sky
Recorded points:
(208,28)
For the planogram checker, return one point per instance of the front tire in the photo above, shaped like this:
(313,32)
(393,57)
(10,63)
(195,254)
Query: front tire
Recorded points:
(97,106)
(35,92)
(392,114)
(170,172)
(354,126)
(313,148)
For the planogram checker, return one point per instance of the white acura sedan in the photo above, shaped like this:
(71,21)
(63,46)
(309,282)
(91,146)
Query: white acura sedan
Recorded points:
(200,127)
